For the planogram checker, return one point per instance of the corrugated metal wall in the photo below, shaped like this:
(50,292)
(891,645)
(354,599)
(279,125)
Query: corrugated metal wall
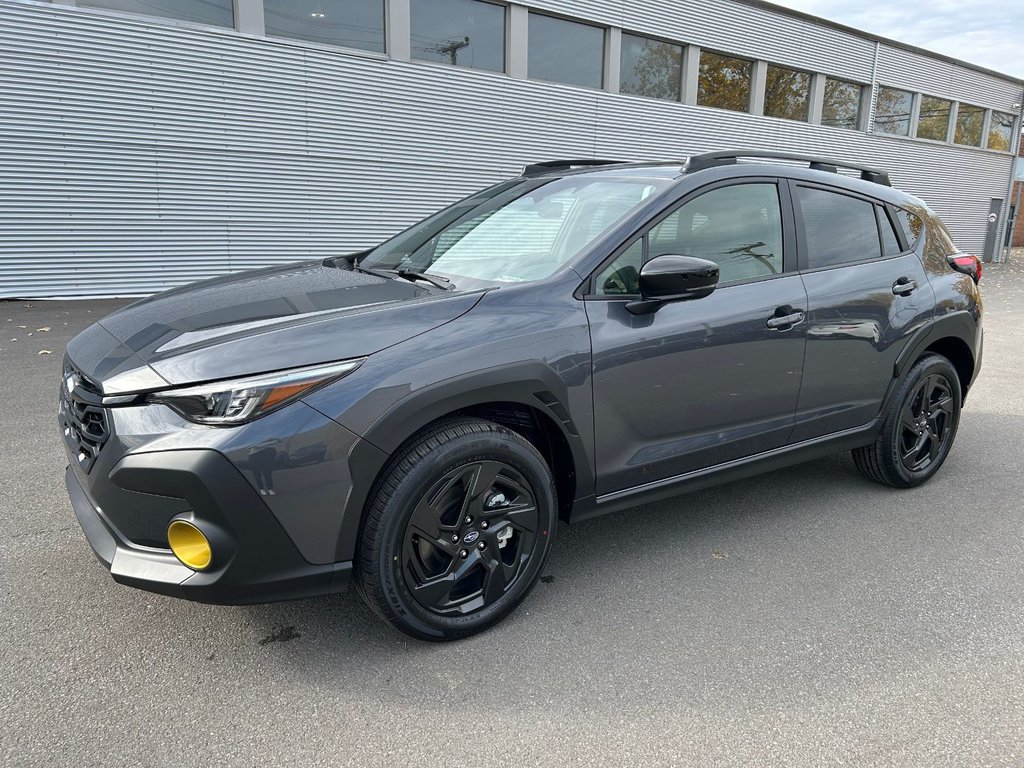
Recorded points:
(136,155)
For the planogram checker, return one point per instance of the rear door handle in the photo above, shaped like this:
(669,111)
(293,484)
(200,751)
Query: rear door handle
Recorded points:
(904,286)
(783,322)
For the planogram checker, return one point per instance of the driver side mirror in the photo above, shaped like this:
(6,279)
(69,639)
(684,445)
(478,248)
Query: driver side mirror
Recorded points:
(673,278)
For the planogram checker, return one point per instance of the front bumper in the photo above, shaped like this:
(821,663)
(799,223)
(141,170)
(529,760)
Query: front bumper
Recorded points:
(254,560)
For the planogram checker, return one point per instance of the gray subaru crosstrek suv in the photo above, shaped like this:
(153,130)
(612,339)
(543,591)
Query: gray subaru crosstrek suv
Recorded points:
(581,339)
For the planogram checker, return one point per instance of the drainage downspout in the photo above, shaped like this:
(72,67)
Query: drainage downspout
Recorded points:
(1003,252)
(874,89)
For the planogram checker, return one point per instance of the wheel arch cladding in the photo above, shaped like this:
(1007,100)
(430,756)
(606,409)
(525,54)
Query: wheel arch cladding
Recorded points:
(955,336)
(546,436)
(959,354)
(526,407)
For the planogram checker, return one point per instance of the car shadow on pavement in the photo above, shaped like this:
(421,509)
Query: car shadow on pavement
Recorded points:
(680,537)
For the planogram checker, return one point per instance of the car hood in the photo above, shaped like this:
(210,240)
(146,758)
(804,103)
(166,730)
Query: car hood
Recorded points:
(259,321)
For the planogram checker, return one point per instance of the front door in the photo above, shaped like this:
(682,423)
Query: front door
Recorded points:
(700,382)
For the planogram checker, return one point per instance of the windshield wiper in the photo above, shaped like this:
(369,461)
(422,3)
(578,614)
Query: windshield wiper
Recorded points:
(411,274)
(351,261)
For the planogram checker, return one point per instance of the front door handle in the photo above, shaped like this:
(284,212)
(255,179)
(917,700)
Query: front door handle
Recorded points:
(904,286)
(785,318)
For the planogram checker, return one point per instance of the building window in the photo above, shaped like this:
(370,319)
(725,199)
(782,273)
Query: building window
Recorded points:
(217,13)
(349,23)
(1000,132)
(565,51)
(969,121)
(787,93)
(724,82)
(842,103)
(892,111)
(933,122)
(465,33)
(651,68)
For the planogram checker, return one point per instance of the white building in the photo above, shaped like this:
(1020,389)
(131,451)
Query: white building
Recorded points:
(148,143)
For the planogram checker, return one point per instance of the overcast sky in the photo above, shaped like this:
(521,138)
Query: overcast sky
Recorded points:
(989,33)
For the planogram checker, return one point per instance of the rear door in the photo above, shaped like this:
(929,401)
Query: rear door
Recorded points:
(867,293)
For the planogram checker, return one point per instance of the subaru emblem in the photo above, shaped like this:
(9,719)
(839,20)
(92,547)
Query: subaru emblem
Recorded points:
(471,537)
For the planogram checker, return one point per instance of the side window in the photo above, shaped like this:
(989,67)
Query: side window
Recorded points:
(839,229)
(912,226)
(738,227)
(890,243)
(622,276)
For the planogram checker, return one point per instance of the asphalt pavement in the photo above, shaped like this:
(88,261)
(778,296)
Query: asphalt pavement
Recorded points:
(802,618)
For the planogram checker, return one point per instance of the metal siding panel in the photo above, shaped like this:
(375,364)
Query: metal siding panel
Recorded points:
(137,156)
(916,72)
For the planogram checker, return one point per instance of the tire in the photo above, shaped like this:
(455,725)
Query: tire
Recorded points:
(919,428)
(458,529)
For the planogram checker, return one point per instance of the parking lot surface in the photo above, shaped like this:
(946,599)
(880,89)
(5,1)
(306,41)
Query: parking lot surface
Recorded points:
(802,618)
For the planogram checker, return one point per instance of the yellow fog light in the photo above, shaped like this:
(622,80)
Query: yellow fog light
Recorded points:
(189,545)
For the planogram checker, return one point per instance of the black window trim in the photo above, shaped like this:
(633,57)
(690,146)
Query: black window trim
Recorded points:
(588,291)
(801,236)
(883,217)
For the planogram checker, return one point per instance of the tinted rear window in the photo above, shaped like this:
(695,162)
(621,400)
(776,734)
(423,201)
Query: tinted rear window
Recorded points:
(890,242)
(838,229)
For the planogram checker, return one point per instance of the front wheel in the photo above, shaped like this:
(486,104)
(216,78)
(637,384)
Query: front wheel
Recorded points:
(458,530)
(919,428)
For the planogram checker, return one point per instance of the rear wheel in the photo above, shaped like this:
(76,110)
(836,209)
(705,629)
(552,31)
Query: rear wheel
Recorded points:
(457,531)
(919,428)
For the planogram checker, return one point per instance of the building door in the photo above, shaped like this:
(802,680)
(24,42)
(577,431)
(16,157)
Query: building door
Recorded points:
(995,208)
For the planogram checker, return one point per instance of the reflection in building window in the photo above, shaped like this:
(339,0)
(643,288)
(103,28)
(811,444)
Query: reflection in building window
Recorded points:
(348,23)
(787,93)
(465,33)
(565,51)
(214,12)
(724,82)
(1000,132)
(969,121)
(841,107)
(933,120)
(892,111)
(651,68)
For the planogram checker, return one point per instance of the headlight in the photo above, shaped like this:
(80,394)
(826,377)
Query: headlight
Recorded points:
(240,400)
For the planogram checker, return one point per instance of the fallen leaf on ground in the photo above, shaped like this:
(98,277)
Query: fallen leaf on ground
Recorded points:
(44,351)
(719,555)
(44,329)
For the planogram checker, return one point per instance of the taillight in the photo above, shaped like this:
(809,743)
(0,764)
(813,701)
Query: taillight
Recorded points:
(969,265)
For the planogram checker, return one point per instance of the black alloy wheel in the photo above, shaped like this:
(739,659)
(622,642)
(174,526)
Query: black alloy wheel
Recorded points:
(470,537)
(458,530)
(926,422)
(919,427)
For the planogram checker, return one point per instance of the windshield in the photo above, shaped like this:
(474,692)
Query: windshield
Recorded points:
(514,232)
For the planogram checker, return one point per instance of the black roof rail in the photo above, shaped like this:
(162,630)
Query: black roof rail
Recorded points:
(533,169)
(729,157)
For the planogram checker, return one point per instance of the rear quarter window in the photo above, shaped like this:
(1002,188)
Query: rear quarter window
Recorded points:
(912,226)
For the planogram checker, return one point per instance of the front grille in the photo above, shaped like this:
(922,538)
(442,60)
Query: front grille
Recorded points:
(82,418)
